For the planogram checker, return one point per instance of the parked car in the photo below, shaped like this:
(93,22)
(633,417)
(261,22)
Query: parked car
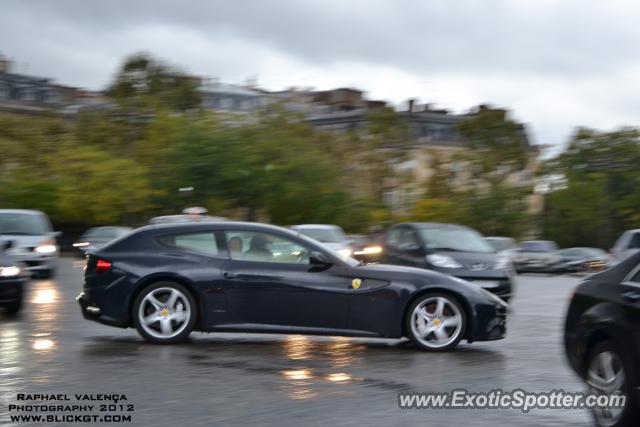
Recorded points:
(534,256)
(501,244)
(451,249)
(97,237)
(33,241)
(179,218)
(171,279)
(602,337)
(13,279)
(627,244)
(331,235)
(579,260)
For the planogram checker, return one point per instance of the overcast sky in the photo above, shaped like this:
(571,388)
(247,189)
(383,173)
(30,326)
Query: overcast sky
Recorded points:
(556,64)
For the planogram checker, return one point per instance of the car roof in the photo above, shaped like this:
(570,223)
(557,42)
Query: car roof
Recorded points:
(219,225)
(581,247)
(433,225)
(327,226)
(22,211)
(109,227)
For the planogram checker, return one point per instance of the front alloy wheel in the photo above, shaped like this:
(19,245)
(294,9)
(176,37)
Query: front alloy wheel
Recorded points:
(608,374)
(164,313)
(436,322)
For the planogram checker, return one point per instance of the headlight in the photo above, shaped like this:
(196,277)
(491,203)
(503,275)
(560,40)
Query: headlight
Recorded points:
(369,250)
(444,261)
(46,247)
(12,271)
(503,263)
(345,252)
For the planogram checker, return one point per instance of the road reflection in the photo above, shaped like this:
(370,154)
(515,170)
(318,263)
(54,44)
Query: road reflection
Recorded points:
(44,314)
(319,363)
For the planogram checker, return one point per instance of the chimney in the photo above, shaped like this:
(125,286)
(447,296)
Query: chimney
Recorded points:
(5,64)
(412,102)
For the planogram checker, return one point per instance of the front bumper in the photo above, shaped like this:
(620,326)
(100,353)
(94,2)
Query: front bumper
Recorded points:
(498,282)
(37,263)
(11,290)
(491,323)
(501,286)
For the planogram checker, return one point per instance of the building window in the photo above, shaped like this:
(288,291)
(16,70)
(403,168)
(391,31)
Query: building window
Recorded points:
(49,97)
(226,103)
(27,94)
(4,92)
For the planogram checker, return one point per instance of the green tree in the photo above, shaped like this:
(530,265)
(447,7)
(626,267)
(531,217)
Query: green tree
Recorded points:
(273,166)
(439,182)
(437,210)
(145,83)
(98,188)
(602,195)
(499,144)
(500,210)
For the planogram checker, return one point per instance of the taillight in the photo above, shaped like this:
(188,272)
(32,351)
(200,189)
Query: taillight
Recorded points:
(102,266)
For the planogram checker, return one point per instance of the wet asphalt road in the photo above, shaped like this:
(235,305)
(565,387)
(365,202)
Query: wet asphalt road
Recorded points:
(243,379)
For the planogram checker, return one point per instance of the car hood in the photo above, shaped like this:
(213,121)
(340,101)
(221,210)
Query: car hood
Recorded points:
(474,261)
(423,278)
(398,272)
(22,241)
(95,241)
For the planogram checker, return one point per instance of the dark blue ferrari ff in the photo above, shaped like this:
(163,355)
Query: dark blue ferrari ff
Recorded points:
(167,280)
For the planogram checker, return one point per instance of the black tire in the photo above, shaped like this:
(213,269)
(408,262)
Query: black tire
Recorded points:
(409,319)
(14,307)
(47,274)
(631,413)
(190,322)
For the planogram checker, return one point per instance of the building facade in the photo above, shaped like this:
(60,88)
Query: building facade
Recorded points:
(24,94)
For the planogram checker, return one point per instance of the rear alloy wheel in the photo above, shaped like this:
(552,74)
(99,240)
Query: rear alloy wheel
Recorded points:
(436,322)
(164,313)
(607,373)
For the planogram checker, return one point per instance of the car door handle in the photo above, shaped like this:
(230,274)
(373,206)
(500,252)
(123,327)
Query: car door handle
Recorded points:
(633,296)
(229,275)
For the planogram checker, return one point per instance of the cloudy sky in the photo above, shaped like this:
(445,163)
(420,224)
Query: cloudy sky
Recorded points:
(556,64)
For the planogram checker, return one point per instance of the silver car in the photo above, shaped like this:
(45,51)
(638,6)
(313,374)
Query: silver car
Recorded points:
(626,245)
(534,256)
(32,240)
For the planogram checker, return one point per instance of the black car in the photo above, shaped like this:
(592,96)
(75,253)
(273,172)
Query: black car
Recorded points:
(13,278)
(451,249)
(579,260)
(96,237)
(167,280)
(602,337)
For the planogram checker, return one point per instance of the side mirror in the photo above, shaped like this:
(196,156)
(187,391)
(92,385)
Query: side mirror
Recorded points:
(318,258)
(56,234)
(412,247)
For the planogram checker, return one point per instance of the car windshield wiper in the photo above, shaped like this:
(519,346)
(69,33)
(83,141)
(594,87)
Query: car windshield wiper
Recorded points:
(17,233)
(443,248)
